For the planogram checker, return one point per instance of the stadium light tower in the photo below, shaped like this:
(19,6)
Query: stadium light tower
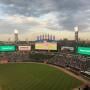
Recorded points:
(16,35)
(76,37)
(76,33)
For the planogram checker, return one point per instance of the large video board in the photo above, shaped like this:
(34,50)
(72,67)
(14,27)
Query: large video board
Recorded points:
(84,50)
(5,48)
(46,46)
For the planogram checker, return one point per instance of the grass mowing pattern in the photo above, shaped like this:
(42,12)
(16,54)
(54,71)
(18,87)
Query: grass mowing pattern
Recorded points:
(32,76)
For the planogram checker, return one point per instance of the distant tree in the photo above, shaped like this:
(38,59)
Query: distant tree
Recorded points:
(65,39)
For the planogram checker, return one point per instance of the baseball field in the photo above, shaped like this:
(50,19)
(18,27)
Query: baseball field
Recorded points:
(35,76)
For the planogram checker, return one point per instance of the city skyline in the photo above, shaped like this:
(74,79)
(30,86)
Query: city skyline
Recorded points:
(32,18)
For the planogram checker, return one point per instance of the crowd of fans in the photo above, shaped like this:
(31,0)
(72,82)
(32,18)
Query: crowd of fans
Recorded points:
(73,61)
(77,62)
(14,56)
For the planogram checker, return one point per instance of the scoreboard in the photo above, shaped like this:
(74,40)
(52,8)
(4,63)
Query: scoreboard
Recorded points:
(46,46)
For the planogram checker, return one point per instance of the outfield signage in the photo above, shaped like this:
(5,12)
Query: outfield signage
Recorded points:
(67,47)
(84,50)
(24,48)
(5,48)
(46,46)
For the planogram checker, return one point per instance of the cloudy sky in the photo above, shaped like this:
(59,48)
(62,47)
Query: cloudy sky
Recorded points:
(35,17)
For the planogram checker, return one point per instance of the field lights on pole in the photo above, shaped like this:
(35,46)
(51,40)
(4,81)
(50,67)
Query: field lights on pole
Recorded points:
(16,35)
(76,37)
(76,33)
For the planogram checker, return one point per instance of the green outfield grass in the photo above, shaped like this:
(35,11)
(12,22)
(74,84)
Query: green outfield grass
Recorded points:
(33,76)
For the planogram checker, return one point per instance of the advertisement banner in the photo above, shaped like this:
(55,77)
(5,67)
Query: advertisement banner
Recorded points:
(84,50)
(66,47)
(24,48)
(5,48)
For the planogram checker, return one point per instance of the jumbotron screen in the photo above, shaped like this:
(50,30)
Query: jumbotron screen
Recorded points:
(46,46)
(84,50)
(5,48)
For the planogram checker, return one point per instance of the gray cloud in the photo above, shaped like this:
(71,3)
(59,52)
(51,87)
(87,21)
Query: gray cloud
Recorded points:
(8,28)
(73,11)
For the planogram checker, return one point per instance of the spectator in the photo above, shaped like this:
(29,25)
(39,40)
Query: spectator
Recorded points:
(86,87)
